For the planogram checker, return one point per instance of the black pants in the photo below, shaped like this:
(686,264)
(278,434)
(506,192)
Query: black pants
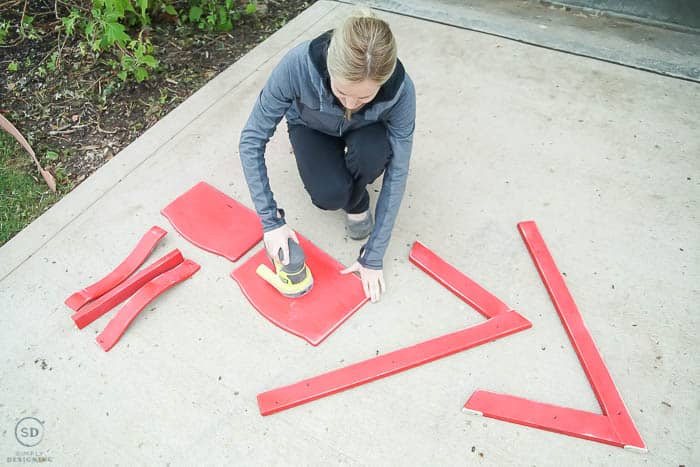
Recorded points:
(337,169)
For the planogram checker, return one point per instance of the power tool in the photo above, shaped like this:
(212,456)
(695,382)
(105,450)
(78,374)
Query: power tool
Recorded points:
(292,280)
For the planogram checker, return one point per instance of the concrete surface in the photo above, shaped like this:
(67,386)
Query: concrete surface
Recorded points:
(673,12)
(603,157)
(614,39)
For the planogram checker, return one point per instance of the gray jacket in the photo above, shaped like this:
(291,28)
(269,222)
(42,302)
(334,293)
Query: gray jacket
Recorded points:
(299,89)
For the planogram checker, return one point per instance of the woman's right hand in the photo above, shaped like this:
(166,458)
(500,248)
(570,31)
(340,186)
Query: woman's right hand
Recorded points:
(278,239)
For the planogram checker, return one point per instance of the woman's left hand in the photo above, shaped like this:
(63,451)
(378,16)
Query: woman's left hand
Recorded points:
(372,280)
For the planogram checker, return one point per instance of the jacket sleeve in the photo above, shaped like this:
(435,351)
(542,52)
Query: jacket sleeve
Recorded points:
(273,102)
(400,123)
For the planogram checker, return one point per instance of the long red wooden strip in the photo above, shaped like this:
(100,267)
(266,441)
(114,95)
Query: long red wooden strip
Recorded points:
(581,339)
(132,262)
(126,289)
(466,289)
(114,330)
(572,422)
(399,360)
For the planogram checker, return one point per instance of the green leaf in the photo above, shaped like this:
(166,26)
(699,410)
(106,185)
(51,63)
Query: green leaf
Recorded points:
(114,33)
(89,28)
(122,75)
(13,66)
(143,6)
(128,6)
(195,13)
(169,9)
(150,61)
(69,22)
(51,155)
(140,74)
(250,9)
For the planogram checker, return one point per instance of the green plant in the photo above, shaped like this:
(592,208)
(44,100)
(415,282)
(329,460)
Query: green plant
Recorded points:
(69,22)
(105,31)
(53,61)
(138,63)
(4,30)
(213,15)
(27,29)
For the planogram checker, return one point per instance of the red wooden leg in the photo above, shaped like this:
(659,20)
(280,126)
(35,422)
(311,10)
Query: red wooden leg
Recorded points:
(394,362)
(102,305)
(132,262)
(456,282)
(502,322)
(622,431)
(111,334)
(572,422)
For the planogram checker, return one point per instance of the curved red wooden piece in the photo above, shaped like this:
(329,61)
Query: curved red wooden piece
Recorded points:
(114,330)
(214,222)
(132,262)
(314,316)
(126,289)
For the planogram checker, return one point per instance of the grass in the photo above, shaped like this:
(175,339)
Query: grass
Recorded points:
(23,194)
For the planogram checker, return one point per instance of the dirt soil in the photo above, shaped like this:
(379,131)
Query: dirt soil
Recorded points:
(82,110)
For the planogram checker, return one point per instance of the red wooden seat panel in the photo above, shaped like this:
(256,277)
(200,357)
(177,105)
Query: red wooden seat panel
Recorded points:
(314,316)
(214,222)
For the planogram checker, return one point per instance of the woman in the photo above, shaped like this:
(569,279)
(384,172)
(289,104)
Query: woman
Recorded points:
(350,110)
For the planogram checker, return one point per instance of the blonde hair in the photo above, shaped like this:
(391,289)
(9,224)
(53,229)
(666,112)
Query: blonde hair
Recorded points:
(362,48)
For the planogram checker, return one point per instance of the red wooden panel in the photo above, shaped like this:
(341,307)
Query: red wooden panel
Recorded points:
(132,262)
(314,316)
(214,222)
(363,372)
(114,330)
(456,282)
(114,297)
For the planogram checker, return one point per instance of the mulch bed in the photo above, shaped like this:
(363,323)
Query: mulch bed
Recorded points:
(83,111)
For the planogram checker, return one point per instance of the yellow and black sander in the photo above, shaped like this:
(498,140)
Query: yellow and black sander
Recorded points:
(292,280)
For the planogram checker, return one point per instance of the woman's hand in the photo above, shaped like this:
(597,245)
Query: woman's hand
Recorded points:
(372,280)
(278,239)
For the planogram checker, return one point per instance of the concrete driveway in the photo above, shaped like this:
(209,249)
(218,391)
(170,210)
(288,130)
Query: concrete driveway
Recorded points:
(605,158)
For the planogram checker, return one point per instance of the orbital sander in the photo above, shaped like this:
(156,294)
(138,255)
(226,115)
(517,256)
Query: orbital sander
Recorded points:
(292,280)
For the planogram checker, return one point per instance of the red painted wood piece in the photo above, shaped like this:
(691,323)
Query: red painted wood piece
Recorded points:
(132,262)
(549,417)
(126,289)
(394,362)
(456,282)
(572,422)
(214,222)
(114,330)
(501,323)
(314,316)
